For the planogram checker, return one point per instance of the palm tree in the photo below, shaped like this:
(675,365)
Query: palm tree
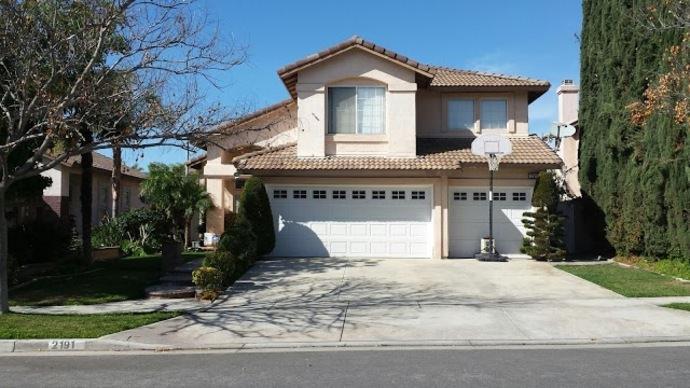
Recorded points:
(178,196)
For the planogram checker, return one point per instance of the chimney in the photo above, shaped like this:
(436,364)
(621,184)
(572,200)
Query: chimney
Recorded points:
(568,101)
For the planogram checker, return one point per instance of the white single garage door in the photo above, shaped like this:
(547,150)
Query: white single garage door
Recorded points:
(352,221)
(468,219)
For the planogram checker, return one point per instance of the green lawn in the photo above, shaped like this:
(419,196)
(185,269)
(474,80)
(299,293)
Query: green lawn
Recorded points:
(103,282)
(34,326)
(630,282)
(679,306)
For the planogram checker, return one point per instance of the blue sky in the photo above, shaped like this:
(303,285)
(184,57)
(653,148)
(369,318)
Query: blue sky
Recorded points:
(530,38)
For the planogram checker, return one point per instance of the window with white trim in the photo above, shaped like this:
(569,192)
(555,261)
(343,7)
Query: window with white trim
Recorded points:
(299,194)
(418,194)
(398,194)
(378,194)
(493,114)
(517,196)
(359,194)
(357,109)
(319,194)
(338,194)
(459,196)
(279,194)
(479,196)
(500,196)
(460,114)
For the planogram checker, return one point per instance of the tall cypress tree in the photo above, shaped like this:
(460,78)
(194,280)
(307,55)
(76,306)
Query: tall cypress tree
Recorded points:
(637,175)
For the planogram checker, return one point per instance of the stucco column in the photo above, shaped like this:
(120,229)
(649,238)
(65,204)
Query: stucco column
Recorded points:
(437,220)
(444,226)
(215,215)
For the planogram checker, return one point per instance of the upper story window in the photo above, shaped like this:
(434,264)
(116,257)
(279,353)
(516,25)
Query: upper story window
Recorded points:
(460,114)
(493,114)
(356,109)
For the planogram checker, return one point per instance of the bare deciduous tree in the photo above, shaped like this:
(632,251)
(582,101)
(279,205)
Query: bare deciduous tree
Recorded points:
(64,65)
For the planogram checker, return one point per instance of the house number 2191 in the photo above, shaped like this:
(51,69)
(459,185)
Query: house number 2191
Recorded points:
(62,345)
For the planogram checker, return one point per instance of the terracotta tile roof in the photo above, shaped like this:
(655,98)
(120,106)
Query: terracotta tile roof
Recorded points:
(444,76)
(437,76)
(433,154)
(103,162)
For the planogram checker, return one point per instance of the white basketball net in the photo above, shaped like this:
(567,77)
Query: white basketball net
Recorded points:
(493,160)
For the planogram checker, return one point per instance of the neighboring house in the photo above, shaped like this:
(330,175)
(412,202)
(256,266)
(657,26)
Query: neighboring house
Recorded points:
(371,156)
(63,195)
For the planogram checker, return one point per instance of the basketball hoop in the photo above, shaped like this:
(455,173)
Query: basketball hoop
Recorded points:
(493,148)
(493,160)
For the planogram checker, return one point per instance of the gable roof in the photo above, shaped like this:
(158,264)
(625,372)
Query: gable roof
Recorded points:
(432,154)
(102,162)
(437,76)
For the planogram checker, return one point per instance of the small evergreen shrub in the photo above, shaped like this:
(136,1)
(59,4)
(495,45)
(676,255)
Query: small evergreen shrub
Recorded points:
(240,240)
(225,262)
(208,279)
(544,226)
(255,208)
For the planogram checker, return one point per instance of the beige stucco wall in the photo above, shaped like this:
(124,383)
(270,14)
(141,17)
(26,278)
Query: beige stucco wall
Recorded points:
(356,67)
(60,182)
(432,113)
(100,206)
(568,151)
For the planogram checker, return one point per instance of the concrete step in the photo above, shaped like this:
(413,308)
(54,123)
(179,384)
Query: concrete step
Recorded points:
(177,278)
(169,291)
(189,266)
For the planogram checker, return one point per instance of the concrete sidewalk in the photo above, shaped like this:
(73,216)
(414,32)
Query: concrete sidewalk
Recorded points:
(129,306)
(333,301)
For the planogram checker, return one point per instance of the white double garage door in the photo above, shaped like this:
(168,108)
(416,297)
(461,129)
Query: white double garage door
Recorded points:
(383,221)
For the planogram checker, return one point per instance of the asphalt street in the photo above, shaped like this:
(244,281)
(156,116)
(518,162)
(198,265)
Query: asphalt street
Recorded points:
(564,367)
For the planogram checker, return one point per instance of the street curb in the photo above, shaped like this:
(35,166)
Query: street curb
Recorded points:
(102,345)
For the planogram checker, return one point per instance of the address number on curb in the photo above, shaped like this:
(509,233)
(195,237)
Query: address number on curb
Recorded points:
(66,345)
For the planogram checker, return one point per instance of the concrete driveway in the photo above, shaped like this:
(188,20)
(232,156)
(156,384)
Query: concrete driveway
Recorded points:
(413,301)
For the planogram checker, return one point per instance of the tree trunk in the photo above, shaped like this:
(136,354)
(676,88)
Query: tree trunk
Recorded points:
(186,233)
(86,198)
(4,286)
(115,179)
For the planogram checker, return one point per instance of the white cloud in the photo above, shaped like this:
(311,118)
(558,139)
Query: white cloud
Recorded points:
(494,62)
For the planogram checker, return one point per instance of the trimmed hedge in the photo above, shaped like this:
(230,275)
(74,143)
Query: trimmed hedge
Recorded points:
(255,209)
(637,176)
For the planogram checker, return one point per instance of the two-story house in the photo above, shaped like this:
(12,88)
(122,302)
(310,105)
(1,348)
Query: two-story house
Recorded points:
(371,156)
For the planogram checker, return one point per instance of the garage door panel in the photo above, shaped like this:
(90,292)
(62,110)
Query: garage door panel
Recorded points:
(468,220)
(358,230)
(352,226)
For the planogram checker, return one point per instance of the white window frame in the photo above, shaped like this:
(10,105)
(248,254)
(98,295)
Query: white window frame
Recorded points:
(357,129)
(488,99)
(474,113)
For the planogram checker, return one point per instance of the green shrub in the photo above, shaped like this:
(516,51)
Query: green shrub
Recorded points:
(208,278)
(12,270)
(136,232)
(132,248)
(223,261)
(256,209)
(239,240)
(40,241)
(544,226)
